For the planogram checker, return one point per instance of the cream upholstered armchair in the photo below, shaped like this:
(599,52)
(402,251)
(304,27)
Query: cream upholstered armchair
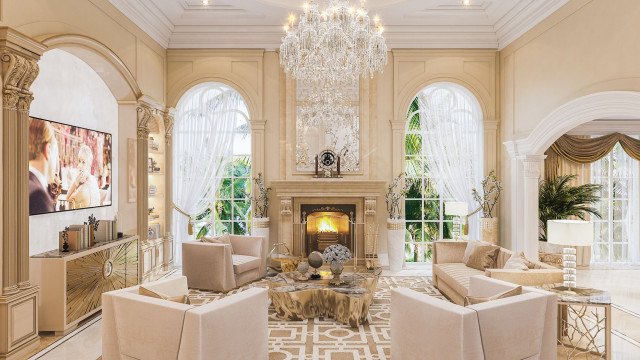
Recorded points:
(224,266)
(517,327)
(142,327)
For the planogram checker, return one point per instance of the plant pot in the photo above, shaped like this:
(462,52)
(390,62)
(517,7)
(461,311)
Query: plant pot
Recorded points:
(260,227)
(489,230)
(395,243)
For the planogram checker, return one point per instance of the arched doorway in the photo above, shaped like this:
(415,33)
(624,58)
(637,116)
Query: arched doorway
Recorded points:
(527,157)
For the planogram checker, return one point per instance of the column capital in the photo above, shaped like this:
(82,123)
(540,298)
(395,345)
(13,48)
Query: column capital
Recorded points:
(169,116)
(398,124)
(285,206)
(532,165)
(257,124)
(145,113)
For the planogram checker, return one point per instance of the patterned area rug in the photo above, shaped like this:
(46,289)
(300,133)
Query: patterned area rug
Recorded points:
(325,339)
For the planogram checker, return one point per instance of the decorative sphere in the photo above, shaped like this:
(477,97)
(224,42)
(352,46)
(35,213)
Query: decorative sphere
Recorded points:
(315,259)
(303,267)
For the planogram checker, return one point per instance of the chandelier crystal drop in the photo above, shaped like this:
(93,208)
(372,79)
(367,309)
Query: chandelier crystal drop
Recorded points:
(338,43)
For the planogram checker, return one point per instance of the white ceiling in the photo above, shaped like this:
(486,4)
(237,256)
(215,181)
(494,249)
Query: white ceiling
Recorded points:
(489,24)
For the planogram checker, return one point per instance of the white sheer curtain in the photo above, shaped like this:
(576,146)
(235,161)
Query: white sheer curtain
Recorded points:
(452,134)
(202,146)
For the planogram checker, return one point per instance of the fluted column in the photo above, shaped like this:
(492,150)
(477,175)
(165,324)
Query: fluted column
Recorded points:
(531,171)
(145,113)
(19,72)
(168,117)
(18,66)
(257,146)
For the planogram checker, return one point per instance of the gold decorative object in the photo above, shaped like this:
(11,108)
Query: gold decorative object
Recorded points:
(348,304)
(91,275)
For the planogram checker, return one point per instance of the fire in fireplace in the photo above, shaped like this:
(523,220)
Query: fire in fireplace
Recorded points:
(327,225)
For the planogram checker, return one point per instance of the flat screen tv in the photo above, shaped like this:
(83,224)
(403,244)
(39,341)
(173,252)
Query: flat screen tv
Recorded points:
(69,167)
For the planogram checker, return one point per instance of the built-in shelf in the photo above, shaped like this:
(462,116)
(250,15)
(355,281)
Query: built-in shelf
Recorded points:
(156,172)
(156,152)
(156,196)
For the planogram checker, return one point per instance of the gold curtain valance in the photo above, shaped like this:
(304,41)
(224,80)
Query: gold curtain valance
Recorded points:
(587,150)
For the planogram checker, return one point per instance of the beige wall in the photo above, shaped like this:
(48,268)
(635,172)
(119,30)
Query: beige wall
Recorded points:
(586,47)
(257,75)
(98,20)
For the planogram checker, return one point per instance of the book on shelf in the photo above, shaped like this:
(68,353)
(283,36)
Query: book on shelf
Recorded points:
(73,239)
(107,230)
(84,240)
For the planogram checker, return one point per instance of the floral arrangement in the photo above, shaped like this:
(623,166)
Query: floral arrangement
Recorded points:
(336,253)
(491,189)
(395,192)
(261,200)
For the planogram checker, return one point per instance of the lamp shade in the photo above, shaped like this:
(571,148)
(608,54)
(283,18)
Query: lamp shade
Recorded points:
(570,232)
(456,208)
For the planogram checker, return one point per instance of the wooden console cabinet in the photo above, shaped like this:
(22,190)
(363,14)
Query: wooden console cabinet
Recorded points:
(71,284)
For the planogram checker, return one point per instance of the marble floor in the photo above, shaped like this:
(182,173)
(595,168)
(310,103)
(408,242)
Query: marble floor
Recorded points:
(623,284)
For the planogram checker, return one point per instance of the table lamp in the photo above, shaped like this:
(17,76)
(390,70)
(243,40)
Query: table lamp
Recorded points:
(569,233)
(457,209)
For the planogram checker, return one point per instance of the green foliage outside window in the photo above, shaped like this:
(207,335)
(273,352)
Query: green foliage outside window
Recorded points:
(425,219)
(231,212)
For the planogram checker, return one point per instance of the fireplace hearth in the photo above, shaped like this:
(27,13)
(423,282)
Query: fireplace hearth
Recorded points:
(327,225)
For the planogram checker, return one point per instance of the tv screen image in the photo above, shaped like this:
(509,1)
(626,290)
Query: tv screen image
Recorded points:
(69,167)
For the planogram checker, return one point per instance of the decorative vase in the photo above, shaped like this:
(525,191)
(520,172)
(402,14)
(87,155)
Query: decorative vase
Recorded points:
(336,270)
(279,252)
(489,229)
(395,243)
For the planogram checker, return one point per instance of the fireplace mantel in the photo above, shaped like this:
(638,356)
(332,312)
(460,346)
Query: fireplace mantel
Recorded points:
(328,187)
(363,194)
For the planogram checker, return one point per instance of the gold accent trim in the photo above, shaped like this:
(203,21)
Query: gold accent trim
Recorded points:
(395,225)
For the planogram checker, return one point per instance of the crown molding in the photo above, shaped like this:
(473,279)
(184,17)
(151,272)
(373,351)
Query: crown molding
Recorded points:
(520,19)
(523,18)
(148,18)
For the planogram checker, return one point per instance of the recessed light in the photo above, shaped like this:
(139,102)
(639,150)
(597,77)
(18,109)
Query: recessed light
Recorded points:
(466,2)
(205,2)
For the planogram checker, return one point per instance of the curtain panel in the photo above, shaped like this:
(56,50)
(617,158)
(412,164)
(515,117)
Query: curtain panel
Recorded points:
(586,150)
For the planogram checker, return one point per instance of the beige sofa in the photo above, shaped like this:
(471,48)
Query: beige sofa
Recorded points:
(143,327)
(222,267)
(451,275)
(517,327)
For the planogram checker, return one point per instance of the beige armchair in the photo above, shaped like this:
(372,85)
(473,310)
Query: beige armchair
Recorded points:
(222,267)
(518,327)
(142,327)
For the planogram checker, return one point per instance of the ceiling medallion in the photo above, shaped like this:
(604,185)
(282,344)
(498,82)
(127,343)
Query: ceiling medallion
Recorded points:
(336,44)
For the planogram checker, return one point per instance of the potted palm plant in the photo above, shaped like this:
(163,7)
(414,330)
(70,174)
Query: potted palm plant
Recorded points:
(558,199)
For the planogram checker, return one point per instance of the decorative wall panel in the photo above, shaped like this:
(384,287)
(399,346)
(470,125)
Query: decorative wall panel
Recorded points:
(91,275)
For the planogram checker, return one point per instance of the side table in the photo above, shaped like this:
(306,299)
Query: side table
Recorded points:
(584,322)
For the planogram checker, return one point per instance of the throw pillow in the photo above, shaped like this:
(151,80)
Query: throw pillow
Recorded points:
(183,299)
(471,245)
(517,262)
(483,257)
(471,300)
(222,239)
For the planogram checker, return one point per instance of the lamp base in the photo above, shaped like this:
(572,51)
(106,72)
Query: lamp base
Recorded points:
(569,268)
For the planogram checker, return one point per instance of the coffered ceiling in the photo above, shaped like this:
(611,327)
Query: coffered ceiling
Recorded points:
(408,23)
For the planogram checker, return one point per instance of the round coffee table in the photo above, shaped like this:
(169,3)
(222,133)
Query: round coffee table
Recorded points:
(296,298)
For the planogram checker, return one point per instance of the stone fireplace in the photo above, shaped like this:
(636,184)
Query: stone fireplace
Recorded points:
(326,225)
(317,213)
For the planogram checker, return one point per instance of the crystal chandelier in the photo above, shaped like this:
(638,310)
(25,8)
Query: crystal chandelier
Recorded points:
(338,43)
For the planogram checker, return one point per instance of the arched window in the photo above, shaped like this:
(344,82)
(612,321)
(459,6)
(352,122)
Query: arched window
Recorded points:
(212,163)
(443,162)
